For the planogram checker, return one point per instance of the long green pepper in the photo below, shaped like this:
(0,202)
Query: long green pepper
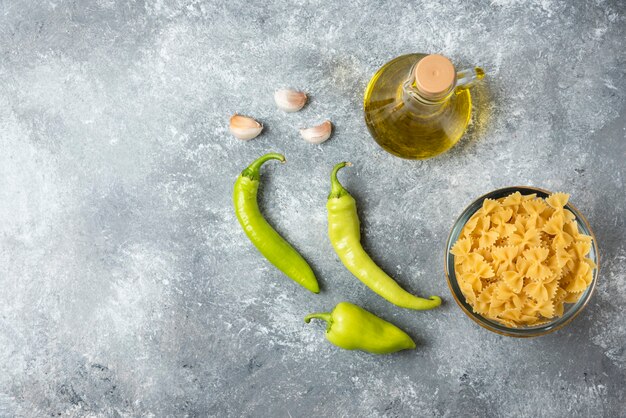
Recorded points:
(265,238)
(345,236)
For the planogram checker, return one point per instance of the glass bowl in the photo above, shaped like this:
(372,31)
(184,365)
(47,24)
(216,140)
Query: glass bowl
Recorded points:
(571,310)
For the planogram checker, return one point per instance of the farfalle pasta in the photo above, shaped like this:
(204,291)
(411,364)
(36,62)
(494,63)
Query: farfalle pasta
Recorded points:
(520,258)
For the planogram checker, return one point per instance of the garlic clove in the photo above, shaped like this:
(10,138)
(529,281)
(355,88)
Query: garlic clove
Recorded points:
(290,100)
(317,134)
(244,128)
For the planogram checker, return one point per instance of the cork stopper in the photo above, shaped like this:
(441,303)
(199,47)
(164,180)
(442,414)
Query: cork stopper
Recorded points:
(434,76)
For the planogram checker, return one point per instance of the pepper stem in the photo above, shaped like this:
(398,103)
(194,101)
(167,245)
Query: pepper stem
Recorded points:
(337,190)
(326,316)
(252,171)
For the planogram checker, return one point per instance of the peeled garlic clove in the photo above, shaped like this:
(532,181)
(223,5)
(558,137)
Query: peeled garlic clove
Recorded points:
(317,134)
(244,128)
(290,100)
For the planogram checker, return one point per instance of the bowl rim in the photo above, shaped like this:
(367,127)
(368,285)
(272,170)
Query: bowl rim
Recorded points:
(502,329)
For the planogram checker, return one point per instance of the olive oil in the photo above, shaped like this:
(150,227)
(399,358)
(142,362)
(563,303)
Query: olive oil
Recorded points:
(414,120)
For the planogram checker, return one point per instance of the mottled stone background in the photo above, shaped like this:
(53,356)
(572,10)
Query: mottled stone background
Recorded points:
(127,286)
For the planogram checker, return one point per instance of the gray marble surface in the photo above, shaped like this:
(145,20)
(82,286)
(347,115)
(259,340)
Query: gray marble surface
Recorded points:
(127,286)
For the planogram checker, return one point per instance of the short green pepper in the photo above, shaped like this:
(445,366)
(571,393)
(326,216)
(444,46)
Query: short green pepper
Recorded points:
(353,328)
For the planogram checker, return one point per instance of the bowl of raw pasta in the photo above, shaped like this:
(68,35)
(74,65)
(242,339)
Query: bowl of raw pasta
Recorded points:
(522,261)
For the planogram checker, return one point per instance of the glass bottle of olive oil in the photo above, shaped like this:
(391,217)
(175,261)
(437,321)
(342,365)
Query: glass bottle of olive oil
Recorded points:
(418,106)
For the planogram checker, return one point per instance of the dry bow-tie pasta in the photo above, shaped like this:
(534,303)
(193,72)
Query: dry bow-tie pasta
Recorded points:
(520,258)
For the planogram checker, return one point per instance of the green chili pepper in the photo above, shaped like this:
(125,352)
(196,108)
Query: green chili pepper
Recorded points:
(345,235)
(265,238)
(353,328)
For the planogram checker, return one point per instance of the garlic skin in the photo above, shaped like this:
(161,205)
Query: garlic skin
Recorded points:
(290,100)
(244,128)
(317,134)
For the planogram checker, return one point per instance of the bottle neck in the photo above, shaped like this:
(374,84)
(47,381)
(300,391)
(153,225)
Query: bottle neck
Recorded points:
(412,96)
(413,92)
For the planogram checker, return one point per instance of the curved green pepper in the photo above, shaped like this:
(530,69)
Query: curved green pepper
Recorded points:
(265,238)
(345,236)
(353,328)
